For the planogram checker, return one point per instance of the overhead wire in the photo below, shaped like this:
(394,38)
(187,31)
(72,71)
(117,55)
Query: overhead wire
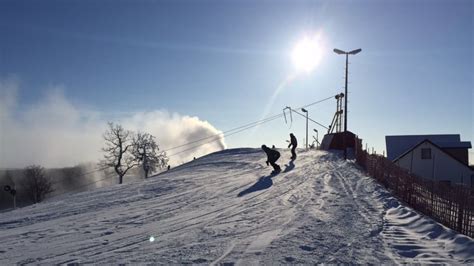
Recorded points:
(223,133)
(229,134)
(84,185)
(84,174)
(238,129)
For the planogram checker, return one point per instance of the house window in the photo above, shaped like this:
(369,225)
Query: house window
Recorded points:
(426,154)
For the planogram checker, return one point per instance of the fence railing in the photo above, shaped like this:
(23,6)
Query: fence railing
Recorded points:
(451,205)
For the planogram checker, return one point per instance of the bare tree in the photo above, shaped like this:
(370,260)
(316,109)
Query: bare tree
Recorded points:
(118,143)
(36,183)
(147,153)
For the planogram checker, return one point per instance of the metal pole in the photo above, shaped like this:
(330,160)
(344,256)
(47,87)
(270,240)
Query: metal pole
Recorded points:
(306,130)
(345,111)
(317,140)
(14,197)
(339,119)
(345,96)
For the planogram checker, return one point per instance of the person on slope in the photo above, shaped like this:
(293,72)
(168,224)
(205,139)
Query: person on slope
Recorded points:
(294,143)
(272,157)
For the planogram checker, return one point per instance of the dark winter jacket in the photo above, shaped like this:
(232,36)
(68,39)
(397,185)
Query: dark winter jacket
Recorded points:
(272,155)
(293,141)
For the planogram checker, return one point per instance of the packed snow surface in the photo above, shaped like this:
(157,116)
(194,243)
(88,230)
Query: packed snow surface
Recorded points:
(227,208)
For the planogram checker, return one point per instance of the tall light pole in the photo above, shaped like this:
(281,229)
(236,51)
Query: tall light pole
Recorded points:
(353,52)
(306,111)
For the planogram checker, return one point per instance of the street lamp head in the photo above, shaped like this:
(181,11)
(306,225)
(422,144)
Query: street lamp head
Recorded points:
(304,110)
(355,51)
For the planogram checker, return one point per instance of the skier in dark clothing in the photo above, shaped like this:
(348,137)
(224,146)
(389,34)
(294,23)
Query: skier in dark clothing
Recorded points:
(272,157)
(293,143)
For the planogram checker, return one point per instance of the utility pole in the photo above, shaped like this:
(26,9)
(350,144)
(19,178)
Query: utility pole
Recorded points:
(306,111)
(353,52)
(345,101)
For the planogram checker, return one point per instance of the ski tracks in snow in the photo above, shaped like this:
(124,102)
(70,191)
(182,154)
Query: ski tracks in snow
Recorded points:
(334,225)
(225,209)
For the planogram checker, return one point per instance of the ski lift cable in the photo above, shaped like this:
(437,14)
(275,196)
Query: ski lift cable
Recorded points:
(311,119)
(225,135)
(222,133)
(85,185)
(243,126)
(83,174)
(251,125)
(320,101)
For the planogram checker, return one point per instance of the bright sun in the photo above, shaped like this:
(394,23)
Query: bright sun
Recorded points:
(307,54)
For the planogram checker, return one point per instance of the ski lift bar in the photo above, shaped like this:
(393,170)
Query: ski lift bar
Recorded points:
(291,116)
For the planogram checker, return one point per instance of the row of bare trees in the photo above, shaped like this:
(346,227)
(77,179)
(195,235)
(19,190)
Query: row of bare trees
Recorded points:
(125,149)
(32,182)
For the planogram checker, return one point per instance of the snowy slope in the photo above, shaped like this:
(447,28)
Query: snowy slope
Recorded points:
(225,208)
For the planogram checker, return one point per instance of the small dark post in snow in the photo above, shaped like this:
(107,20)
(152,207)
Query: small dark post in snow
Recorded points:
(14,196)
(12,191)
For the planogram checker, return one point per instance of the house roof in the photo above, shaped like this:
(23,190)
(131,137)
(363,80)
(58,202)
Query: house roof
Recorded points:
(436,146)
(397,145)
(455,145)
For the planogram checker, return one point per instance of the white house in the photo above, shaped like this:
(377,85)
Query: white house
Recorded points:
(444,159)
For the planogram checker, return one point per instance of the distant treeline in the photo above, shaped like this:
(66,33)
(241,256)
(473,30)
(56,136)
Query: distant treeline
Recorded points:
(63,181)
(126,153)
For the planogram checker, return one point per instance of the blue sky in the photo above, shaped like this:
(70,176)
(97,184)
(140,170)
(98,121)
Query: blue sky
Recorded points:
(222,60)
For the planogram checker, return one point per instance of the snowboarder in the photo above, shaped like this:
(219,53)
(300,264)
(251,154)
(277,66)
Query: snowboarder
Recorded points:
(272,157)
(294,143)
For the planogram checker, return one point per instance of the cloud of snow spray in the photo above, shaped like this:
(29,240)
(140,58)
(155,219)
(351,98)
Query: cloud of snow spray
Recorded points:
(55,133)
(172,129)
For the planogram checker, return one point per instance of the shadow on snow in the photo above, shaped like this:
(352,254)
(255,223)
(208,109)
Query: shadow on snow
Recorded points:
(263,182)
(290,166)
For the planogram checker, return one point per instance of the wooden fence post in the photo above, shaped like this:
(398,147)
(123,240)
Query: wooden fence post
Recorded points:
(460,216)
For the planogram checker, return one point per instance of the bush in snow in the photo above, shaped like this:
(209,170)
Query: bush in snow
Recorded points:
(36,184)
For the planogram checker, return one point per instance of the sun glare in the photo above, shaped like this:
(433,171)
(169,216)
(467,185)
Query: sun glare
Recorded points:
(307,54)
